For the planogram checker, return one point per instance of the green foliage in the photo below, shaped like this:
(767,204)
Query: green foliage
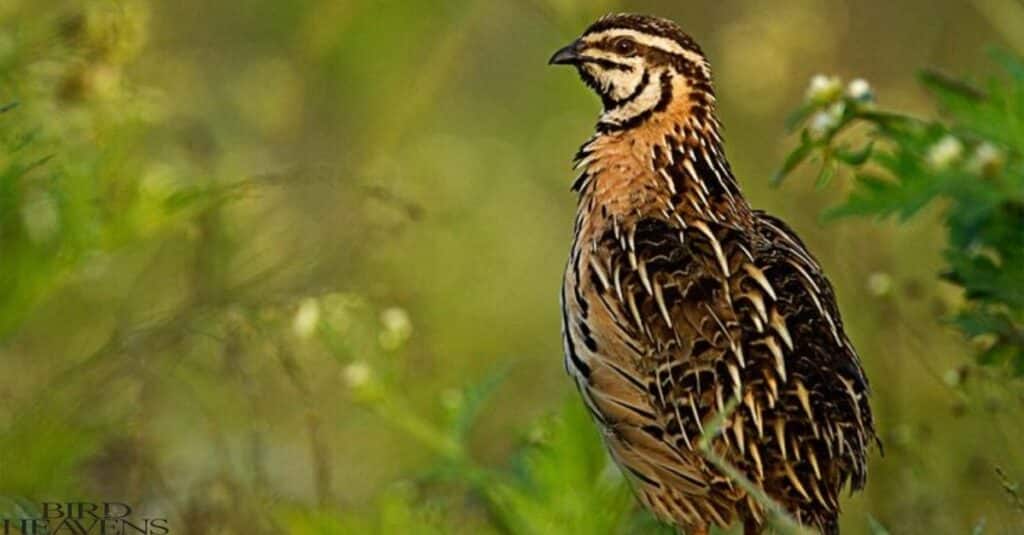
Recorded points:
(396,511)
(53,172)
(972,160)
(564,483)
(34,457)
(54,231)
(561,481)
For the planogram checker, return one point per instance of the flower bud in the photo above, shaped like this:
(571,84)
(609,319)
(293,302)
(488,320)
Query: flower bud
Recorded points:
(880,284)
(824,89)
(821,124)
(397,328)
(306,319)
(987,159)
(860,90)
(357,374)
(945,153)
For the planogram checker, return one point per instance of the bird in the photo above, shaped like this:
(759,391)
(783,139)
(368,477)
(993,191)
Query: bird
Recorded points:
(684,308)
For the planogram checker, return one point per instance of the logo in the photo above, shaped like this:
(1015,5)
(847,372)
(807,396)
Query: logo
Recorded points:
(84,518)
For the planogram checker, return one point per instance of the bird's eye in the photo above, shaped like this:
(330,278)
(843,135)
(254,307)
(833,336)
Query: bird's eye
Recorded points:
(625,46)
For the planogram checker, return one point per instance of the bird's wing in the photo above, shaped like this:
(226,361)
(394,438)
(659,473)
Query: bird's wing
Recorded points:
(823,363)
(696,316)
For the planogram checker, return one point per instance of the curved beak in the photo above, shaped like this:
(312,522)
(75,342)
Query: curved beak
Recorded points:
(568,55)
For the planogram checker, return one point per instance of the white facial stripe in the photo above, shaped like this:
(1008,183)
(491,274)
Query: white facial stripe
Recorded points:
(617,83)
(662,43)
(623,83)
(646,100)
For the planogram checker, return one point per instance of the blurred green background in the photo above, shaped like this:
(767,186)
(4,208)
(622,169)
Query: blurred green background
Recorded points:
(261,260)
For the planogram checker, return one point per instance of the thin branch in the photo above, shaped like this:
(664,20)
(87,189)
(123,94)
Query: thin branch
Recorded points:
(1012,490)
(322,465)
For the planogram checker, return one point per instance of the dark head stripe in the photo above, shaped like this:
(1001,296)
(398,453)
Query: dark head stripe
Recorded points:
(645,24)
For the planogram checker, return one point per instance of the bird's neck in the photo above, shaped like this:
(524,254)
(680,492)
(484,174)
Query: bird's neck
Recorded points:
(669,161)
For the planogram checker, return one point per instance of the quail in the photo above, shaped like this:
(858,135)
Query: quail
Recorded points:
(682,305)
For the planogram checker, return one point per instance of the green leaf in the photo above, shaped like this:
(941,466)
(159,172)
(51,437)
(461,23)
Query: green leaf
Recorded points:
(876,527)
(567,483)
(473,400)
(996,355)
(942,84)
(793,161)
(829,168)
(798,116)
(855,158)
(888,122)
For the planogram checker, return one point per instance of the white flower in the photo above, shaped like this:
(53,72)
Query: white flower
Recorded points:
(821,124)
(306,319)
(946,152)
(987,159)
(953,377)
(860,90)
(396,319)
(357,374)
(824,89)
(397,328)
(880,284)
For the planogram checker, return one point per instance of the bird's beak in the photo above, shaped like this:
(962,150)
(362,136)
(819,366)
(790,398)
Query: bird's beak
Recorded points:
(568,55)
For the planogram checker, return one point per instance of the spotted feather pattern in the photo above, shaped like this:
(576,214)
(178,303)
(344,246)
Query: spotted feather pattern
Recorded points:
(678,297)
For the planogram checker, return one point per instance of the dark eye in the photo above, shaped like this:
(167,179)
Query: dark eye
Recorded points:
(625,46)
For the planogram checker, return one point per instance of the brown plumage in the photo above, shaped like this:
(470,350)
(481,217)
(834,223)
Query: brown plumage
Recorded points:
(679,297)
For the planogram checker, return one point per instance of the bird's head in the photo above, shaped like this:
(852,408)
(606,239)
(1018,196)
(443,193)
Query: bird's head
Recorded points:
(634,63)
